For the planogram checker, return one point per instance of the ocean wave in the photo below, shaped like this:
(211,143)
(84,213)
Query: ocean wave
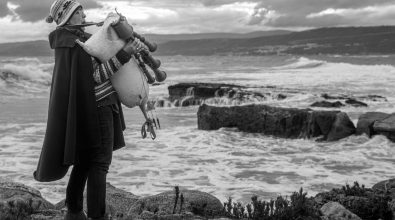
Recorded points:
(33,73)
(24,77)
(302,63)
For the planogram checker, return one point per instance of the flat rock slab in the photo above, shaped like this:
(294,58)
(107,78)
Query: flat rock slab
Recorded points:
(277,121)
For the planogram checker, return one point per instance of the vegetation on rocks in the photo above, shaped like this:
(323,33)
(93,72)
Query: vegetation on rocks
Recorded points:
(354,200)
(298,206)
(367,203)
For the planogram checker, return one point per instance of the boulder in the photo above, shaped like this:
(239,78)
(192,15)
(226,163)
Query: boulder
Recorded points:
(342,127)
(386,186)
(18,201)
(335,211)
(196,202)
(366,121)
(276,121)
(356,103)
(118,201)
(386,127)
(280,96)
(365,202)
(326,104)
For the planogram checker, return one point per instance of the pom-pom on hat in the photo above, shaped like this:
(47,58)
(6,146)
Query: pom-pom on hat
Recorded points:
(61,11)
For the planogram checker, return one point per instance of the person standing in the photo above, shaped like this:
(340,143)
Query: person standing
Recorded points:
(85,119)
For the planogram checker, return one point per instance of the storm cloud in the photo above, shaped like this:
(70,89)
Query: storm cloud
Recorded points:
(32,11)
(199,16)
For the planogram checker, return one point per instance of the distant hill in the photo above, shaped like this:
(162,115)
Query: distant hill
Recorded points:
(41,47)
(28,48)
(162,38)
(333,40)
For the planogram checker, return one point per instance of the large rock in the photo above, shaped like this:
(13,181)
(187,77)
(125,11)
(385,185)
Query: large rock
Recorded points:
(326,104)
(196,202)
(18,201)
(280,122)
(366,121)
(342,127)
(386,186)
(118,201)
(199,90)
(386,127)
(335,211)
(367,203)
(356,103)
(187,94)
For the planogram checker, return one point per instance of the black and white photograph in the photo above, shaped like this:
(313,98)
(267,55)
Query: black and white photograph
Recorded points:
(197,109)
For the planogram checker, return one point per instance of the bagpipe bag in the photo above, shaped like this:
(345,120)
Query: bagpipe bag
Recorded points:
(129,81)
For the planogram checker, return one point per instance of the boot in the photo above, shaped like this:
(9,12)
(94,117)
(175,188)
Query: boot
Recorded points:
(75,216)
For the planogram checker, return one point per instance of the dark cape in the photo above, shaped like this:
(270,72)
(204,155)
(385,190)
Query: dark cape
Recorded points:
(72,114)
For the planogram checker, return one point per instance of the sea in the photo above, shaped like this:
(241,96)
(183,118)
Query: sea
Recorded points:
(225,162)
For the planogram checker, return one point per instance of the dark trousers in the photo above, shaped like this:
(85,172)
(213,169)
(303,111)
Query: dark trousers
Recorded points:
(92,166)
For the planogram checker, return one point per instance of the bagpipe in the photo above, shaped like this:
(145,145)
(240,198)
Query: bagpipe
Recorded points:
(132,80)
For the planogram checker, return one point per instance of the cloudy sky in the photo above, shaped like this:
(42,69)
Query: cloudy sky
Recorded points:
(22,20)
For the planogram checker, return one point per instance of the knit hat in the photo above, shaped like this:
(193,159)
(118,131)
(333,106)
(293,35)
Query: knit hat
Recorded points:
(61,11)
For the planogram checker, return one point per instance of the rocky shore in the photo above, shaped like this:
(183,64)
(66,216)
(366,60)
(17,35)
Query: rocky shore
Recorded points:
(228,105)
(188,94)
(295,123)
(19,202)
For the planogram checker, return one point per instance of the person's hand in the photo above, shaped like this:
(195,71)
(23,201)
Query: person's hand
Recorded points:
(134,46)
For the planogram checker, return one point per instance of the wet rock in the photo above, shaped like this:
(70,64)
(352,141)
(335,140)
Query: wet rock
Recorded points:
(374,98)
(366,121)
(281,97)
(386,126)
(335,211)
(187,94)
(196,202)
(280,122)
(189,101)
(326,104)
(18,201)
(386,186)
(118,201)
(201,90)
(356,103)
(365,202)
(342,127)
(327,96)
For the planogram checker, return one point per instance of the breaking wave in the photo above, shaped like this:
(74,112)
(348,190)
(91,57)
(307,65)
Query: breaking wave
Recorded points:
(303,63)
(24,77)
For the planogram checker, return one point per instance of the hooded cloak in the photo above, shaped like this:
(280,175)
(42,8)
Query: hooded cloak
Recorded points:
(72,116)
